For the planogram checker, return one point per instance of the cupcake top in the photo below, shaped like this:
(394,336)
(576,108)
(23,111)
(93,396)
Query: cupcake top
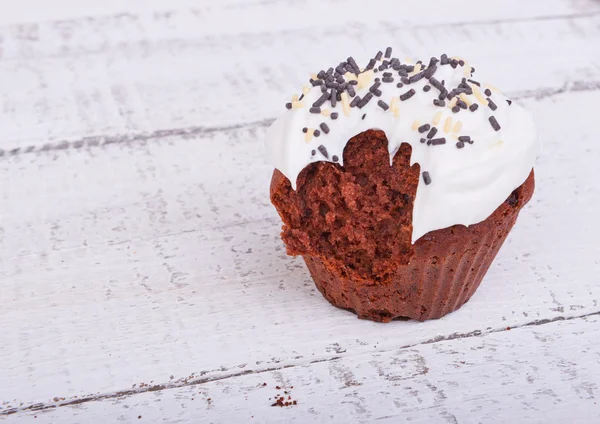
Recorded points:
(474,146)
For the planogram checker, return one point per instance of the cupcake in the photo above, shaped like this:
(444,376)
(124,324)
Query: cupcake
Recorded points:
(398,182)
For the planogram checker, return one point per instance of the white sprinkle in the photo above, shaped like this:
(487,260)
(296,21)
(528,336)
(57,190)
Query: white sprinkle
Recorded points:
(448,125)
(345,104)
(465,99)
(479,96)
(309,135)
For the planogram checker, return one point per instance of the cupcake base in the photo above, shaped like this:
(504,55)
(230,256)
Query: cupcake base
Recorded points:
(352,226)
(446,270)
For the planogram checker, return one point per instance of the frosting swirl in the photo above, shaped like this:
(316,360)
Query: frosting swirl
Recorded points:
(473,145)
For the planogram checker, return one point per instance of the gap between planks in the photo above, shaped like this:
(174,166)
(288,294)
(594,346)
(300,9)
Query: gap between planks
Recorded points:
(195,131)
(197,381)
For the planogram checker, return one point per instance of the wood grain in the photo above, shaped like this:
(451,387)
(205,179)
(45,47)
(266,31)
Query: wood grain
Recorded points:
(129,264)
(526,375)
(141,270)
(131,77)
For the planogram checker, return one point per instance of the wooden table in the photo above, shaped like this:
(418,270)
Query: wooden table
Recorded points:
(142,277)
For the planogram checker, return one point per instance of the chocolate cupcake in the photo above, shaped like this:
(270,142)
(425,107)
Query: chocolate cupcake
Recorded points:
(398,183)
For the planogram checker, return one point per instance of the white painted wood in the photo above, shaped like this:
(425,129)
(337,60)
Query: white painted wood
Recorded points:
(139,75)
(545,374)
(132,263)
(281,13)
(138,263)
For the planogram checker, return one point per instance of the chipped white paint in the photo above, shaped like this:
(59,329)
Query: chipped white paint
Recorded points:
(155,260)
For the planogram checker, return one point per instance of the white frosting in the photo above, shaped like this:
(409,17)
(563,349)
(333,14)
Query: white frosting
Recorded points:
(467,184)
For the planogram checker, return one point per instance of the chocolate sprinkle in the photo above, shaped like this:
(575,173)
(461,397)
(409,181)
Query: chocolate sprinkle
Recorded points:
(316,82)
(314,152)
(461,104)
(426,88)
(315,110)
(424,128)
(437,84)
(405,80)
(324,127)
(461,62)
(444,59)
(351,91)
(352,63)
(438,102)
(430,71)
(417,77)
(494,123)
(454,63)
(474,82)
(334,158)
(374,86)
(353,82)
(426,178)
(388,52)
(488,92)
(377,93)
(509,102)
(355,101)
(301,97)
(407,95)
(464,138)
(323,151)
(456,109)
(288,105)
(438,141)
(365,100)
(333,97)
(460,145)
(473,107)
(317,133)
(432,132)
(422,140)
(388,79)
(491,104)
(383,105)
(321,100)
(399,85)
(304,130)
(379,55)
(363,117)
(334,116)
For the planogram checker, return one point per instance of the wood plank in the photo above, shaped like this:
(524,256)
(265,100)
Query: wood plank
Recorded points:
(525,375)
(128,264)
(126,77)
